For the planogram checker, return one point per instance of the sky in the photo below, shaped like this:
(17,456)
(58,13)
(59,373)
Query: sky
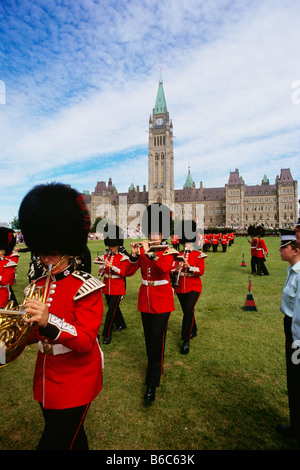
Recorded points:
(78,82)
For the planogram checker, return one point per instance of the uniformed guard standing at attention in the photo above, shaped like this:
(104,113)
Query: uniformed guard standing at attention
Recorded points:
(114,267)
(68,372)
(156,298)
(261,252)
(187,274)
(253,245)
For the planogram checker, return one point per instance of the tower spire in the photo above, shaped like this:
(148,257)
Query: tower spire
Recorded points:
(160,103)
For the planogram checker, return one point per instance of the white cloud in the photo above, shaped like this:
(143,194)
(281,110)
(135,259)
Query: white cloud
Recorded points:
(84,84)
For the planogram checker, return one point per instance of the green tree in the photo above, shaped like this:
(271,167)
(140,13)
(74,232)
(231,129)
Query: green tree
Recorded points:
(15,224)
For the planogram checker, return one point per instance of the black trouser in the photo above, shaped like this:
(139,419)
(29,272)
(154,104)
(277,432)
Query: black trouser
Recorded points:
(64,429)
(253,264)
(188,302)
(261,267)
(293,377)
(113,315)
(155,329)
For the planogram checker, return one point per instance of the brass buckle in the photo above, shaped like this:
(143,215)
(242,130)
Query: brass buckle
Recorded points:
(150,283)
(47,348)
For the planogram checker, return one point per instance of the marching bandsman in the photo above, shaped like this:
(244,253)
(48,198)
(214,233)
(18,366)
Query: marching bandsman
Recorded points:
(224,241)
(7,265)
(68,372)
(215,242)
(261,252)
(115,265)
(188,285)
(253,245)
(156,298)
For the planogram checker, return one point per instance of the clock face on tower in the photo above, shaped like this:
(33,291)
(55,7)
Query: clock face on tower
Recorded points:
(159,121)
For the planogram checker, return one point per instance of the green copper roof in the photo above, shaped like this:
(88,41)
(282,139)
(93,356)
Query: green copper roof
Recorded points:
(265,179)
(160,103)
(189,181)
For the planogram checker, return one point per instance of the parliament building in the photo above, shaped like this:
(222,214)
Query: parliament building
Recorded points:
(234,205)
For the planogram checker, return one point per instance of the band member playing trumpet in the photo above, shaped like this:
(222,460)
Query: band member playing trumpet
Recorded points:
(7,265)
(156,299)
(114,266)
(68,373)
(188,287)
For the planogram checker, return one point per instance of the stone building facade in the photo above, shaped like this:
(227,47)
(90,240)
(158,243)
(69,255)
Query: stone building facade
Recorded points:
(234,205)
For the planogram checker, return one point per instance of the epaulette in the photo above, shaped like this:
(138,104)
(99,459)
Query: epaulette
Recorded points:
(202,255)
(171,251)
(124,257)
(90,284)
(10,263)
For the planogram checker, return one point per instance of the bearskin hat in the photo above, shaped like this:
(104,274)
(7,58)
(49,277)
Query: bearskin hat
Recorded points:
(53,218)
(157,218)
(187,231)
(260,231)
(7,240)
(251,231)
(113,235)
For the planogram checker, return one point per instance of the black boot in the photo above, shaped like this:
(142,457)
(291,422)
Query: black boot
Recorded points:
(107,340)
(185,347)
(150,394)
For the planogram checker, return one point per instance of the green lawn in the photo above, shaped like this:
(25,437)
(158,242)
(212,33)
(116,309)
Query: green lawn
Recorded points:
(228,393)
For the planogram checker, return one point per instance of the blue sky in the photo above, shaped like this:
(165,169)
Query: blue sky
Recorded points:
(78,81)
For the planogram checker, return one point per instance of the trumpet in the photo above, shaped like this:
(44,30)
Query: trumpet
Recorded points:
(14,331)
(153,245)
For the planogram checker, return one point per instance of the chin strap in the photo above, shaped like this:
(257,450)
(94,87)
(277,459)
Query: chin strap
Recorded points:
(61,261)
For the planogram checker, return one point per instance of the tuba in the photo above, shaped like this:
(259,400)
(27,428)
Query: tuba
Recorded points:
(14,331)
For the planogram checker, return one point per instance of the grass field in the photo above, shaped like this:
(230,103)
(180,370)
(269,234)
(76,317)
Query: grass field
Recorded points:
(228,393)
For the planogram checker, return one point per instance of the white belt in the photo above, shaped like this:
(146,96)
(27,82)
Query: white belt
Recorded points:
(154,283)
(53,349)
(112,276)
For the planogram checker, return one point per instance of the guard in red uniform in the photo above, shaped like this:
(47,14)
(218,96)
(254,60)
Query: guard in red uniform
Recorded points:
(224,241)
(215,242)
(188,284)
(68,372)
(114,267)
(7,265)
(253,245)
(156,298)
(261,252)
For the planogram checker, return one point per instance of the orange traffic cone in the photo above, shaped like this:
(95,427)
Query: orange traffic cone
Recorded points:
(243,262)
(250,304)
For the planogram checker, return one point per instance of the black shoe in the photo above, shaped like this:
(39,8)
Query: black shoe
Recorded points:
(185,347)
(285,431)
(150,394)
(107,340)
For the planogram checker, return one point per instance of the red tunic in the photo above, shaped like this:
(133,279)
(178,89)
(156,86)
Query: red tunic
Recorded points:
(114,277)
(7,278)
(156,293)
(253,246)
(76,308)
(261,248)
(190,278)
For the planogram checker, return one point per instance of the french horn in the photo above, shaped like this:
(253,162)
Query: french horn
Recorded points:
(14,331)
